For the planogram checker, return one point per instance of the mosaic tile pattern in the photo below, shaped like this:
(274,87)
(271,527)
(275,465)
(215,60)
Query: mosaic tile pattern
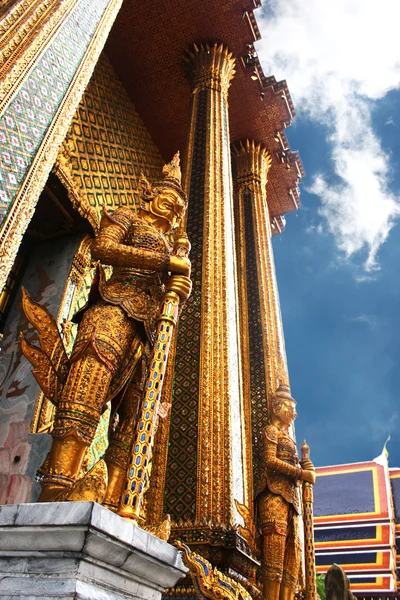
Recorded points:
(108,145)
(348,533)
(258,386)
(181,482)
(359,558)
(28,116)
(344,494)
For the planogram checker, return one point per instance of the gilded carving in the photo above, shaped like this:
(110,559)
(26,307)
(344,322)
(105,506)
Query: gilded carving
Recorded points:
(208,581)
(211,67)
(249,530)
(308,520)
(121,349)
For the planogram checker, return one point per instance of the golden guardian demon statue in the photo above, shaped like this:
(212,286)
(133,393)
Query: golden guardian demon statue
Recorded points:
(117,332)
(279,503)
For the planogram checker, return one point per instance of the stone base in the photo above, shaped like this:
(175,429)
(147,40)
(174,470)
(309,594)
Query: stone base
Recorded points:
(81,551)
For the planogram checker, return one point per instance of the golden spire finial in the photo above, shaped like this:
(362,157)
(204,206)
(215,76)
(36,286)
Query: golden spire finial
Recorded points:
(385,450)
(305,450)
(172,170)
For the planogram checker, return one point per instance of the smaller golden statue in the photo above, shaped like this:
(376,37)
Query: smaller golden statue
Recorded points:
(278,502)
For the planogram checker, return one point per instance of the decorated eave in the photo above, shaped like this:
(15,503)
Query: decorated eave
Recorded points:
(146,47)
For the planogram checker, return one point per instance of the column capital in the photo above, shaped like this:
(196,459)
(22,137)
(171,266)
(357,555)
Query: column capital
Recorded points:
(210,67)
(253,162)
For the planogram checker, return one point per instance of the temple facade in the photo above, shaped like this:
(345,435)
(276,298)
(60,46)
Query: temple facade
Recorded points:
(93,95)
(356,518)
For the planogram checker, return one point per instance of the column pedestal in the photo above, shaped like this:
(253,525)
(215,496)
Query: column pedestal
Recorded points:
(81,551)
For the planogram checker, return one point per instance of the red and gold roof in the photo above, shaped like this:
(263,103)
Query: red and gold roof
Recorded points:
(147,45)
(355,524)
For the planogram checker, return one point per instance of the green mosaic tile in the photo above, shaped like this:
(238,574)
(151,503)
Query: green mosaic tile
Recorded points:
(28,116)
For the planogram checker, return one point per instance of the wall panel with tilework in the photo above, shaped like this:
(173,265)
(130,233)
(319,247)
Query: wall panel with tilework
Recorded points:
(27,118)
(107,146)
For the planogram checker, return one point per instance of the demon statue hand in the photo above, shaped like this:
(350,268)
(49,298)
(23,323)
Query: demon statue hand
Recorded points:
(109,361)
(278,502)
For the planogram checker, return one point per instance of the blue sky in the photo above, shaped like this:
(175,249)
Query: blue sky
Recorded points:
(338,260)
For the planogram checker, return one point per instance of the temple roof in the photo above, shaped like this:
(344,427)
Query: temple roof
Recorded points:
(146,47)
(354,523)
(354,492)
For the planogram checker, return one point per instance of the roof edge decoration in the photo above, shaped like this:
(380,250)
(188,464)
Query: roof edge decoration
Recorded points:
(259,106)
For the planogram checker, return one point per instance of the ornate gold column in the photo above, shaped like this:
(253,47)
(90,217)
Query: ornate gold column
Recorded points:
(47,54)
(263,352)
(205,467)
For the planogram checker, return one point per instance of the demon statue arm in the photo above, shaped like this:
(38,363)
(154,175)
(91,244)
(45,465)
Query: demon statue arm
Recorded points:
(110,248)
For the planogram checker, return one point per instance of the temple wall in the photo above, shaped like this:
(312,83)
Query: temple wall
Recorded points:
(106,148)
(21,453)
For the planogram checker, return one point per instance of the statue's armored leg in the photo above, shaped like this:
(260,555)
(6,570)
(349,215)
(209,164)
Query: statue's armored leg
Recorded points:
(273,511)
(75,423)
(118,451)
(105,335)
(291,569)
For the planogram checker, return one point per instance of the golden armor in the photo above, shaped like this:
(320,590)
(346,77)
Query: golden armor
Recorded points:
(278,502)
(110,357)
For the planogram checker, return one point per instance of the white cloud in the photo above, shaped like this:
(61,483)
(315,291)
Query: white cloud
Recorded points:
(367,319)
(339,58)
(364,278)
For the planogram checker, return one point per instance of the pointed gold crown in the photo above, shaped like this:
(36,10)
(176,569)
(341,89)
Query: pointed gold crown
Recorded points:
(171,177)
(283,393)
(172,170)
